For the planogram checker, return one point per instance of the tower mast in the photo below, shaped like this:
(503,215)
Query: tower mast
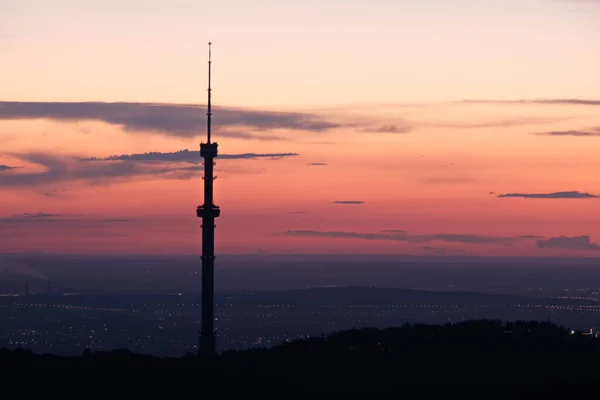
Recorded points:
(208,212)
(209,107)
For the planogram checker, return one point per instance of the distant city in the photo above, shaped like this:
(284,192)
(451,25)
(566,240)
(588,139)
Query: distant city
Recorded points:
(63,305)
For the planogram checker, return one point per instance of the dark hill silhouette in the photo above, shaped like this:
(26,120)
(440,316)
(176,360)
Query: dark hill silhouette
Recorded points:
(470,360)
(374,295)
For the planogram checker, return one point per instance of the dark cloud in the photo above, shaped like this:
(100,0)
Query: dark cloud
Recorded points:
(115,167)
(183,120)
(568,242)
(317,164)
(343,235)
(391,128)
(556,195)
(297,212)
(348,202)
(402,236)
(7,167)
(540,101)
(67,169)
(591,132)
(460,238)
(187,156)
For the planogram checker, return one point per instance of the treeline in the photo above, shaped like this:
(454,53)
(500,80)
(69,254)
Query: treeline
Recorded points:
(474,359)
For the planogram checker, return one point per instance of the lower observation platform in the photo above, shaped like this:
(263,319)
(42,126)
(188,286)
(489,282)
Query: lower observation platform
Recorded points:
(208,212)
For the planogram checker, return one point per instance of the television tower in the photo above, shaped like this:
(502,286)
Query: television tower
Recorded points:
(208,212)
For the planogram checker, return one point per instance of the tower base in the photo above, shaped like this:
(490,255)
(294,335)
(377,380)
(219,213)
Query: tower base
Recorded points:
(208,344)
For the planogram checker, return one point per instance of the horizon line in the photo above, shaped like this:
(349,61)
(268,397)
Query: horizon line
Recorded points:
(324,255)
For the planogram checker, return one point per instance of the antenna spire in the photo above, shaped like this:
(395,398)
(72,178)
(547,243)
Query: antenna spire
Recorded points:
(209,112)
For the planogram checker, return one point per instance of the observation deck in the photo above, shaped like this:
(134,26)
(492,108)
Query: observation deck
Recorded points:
(208,150)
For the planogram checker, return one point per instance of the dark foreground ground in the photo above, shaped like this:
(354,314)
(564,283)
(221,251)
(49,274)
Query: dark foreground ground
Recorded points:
(471,360)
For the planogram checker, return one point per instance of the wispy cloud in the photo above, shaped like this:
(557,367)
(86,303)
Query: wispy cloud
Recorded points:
(186,156)
(569,242)
(31,217)
(500,123)
(69,169)
(348,202)
(115,168)
(391,128)
(400,232)
(556,195)
(54,192)
(402,236)
(192,168)
(584,102)
(182,120)
(583,133)
(42,217)
(317,164)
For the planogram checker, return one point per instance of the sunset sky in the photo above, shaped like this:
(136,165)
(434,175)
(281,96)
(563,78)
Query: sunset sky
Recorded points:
(430,127)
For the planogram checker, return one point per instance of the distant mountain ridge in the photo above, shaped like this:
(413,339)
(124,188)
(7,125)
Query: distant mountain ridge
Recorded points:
(374,295)
(344,296)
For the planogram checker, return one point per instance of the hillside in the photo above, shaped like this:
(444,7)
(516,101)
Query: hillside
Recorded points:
(476,359)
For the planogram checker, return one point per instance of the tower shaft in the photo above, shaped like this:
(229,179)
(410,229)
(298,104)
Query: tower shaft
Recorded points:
(208,212)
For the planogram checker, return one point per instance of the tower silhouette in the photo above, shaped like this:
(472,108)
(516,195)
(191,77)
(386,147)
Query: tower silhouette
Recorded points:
(208,212)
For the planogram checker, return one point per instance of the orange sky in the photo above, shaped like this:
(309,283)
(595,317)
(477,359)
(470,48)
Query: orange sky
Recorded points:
(355,102)
(432,177)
